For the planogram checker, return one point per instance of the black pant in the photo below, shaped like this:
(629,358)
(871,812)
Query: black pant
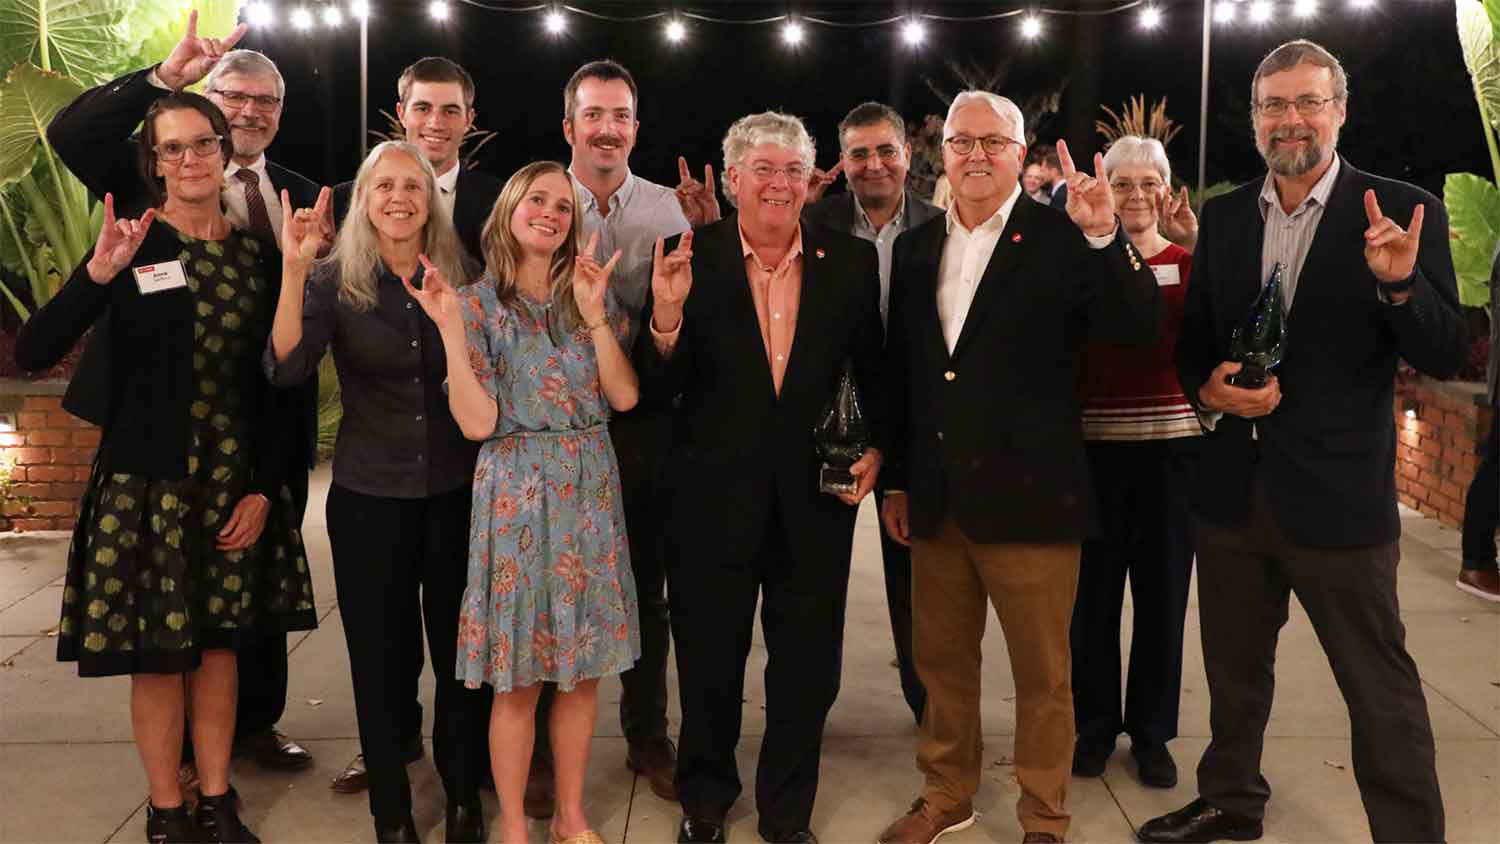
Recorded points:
(1143,489)
(802,617)
(386,553)
(897,563)
(1245,574)
(1482,506)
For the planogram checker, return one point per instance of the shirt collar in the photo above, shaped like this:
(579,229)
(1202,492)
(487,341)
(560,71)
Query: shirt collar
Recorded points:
(619,199)
(1319,193)
(749,252)
(448,182)
(897,219)
(996,222)
(258,166)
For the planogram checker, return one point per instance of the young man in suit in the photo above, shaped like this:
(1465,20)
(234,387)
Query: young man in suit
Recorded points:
(878,207)
(751,322)
(1297,480)
(988,479)
(92,136)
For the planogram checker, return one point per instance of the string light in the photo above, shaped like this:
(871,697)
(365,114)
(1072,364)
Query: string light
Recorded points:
(438,9)
(792,33)
(1224,12)
(676,31)
(913,33)
(260,14)
(1305,8)
(1362,5)
(1031,27)
(1260,11)
(1150,17)
(302,18)
(360,9)
(555,22)
(332,16)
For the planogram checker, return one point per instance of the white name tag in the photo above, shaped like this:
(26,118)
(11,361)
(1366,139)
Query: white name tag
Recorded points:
(1167,275)
(154,278)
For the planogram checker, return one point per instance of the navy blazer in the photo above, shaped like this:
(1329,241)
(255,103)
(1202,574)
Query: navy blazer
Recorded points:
(837,212)
(1328,450)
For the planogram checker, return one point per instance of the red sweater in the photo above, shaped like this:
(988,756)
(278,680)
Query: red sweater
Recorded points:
(1131,393)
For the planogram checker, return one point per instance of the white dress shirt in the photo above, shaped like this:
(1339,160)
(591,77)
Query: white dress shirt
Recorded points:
(233,194)
(448,188)
(966,253)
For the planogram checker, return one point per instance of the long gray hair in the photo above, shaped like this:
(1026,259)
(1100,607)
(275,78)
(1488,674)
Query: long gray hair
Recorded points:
(356,249)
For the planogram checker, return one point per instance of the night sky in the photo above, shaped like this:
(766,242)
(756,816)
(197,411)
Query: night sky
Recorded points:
(1411,113)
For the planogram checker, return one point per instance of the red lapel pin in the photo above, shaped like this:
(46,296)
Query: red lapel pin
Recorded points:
(1015,238)
(820,253)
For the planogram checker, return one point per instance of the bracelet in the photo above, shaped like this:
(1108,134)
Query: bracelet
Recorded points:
(1401,286)
(599,323)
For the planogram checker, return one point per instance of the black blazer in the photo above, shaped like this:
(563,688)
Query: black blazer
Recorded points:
(991,434)
(739,445)
(837,212)
(474,197)
(1328,450)
(147,369)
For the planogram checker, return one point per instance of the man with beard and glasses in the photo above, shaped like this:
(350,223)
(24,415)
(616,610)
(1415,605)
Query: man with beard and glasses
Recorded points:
(93,137)
(1296,485)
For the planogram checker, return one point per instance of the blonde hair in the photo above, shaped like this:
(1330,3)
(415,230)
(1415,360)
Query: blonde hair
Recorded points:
(356,249)
(503,254)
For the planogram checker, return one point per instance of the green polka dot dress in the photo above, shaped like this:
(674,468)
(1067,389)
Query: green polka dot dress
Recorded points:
(147,587)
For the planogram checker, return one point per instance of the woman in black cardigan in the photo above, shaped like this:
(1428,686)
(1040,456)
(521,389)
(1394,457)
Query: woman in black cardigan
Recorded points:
(187,538)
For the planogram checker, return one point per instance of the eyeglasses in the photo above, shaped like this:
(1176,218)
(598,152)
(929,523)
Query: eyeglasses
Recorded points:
(885,152)
(993,144)
(239,99)
(765,172)
(204,147)
(1306,105)
(1125,187)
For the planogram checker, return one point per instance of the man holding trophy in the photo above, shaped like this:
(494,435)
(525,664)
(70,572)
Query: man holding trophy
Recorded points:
(754,321)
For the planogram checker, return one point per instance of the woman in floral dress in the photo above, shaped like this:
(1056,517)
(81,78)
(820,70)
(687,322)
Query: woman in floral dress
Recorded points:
(535,364)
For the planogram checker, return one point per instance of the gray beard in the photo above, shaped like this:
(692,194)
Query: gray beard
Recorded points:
(1292,164)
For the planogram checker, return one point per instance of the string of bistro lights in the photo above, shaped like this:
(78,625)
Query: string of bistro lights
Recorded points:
(1149,15)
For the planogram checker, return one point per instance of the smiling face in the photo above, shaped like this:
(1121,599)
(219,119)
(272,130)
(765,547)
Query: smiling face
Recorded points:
(252,126)
(875,163)
(1137,188)
(980,177)
(196,177)
(396,199)
(603,126)
(1033,178)
(436,118)
(543,220)
(769,185)
(1293,143)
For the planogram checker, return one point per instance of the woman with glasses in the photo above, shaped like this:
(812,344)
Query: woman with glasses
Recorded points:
(187,540)
(1141,436)
(536,364)
(398,509)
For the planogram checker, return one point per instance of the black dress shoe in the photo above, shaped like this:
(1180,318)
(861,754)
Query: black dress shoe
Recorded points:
(1089,758)
(219,820)
(271,748)
(705,830)
(1199,823)
(170,826)
(401,833)
(1154,765)
(465,824)
(801,836)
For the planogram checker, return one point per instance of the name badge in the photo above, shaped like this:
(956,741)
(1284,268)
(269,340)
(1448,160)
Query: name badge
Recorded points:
(1167,275)
(155,278)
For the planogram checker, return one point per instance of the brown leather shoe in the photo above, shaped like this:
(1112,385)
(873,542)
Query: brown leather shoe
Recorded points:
(354,778)
(1480,583)
(270,748)
(1041,838)
(924,824)
(540,800)
(656,761)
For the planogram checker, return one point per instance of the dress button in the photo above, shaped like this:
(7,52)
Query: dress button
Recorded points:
(940,435)
(408,306)
(781,357)
(775,316)
(949,375)
(413,344)
(419,457)
(419,417)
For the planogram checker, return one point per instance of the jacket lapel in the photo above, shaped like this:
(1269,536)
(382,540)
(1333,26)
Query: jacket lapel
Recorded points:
(813,299)
(728,264)
(1008,251)
(1343,223)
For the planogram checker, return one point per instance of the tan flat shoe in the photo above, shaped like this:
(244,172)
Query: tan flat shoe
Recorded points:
(588,836)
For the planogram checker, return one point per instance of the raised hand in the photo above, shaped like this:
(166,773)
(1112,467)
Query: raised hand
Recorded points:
(699,200)
(671,279)
(819,180)
(1091,204)
(437,297)
(1391,251)
(590,281)
(194,57)
(302,231)
(1178,222)
(119,240)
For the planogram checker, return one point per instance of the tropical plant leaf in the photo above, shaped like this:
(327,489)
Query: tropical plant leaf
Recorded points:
(157,26)
(79,38)
(1481,51)
(1493,8)
(1474,220)
(29,97)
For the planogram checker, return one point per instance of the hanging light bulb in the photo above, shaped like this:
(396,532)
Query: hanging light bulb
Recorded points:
(1260,11)
(438,9)
(1150,17)
(260,14)
(792,33)
(360,9)
(555,23)
(302,18)
(1031,27)
(913,33)
(332,16)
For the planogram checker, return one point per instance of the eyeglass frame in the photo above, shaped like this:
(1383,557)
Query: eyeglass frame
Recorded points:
(886,153)
(767,173)
(190,145)
(1306,105)
(260,100)
(983,143)
(1130,187)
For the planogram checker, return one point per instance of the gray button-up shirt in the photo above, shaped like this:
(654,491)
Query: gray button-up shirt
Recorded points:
(1290,236)
(639,212)
(885,242)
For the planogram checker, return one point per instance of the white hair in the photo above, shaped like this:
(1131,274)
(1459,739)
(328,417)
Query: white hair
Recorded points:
(768,127)
(246,63)
(1004,108)
(1134,149)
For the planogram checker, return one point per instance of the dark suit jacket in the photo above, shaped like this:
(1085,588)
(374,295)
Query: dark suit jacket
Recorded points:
(1060,198)
(1328,450)
(991,433)
(474,197)
(93,135)
(837,212)
(739,445)
(1492,374)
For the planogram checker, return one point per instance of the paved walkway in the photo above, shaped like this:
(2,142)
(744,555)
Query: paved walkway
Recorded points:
(68,771)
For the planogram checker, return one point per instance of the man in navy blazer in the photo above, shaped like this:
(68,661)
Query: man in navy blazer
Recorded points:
(93,137)
(1297,480)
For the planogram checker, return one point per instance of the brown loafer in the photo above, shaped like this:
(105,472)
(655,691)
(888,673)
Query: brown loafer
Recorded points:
(271,748)
(924,824)
(656,761)
(540,800)
(354,778)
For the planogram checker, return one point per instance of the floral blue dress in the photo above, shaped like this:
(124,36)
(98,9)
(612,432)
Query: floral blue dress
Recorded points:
(550,595)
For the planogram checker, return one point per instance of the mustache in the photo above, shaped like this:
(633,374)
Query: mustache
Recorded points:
(1293,133)
(248,124)
(614,139)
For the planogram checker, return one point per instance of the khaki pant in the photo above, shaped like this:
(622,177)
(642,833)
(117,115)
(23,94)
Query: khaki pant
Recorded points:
(1031,586)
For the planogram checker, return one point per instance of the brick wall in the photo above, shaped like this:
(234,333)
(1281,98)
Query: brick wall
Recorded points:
(1437,449)
(52,453)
